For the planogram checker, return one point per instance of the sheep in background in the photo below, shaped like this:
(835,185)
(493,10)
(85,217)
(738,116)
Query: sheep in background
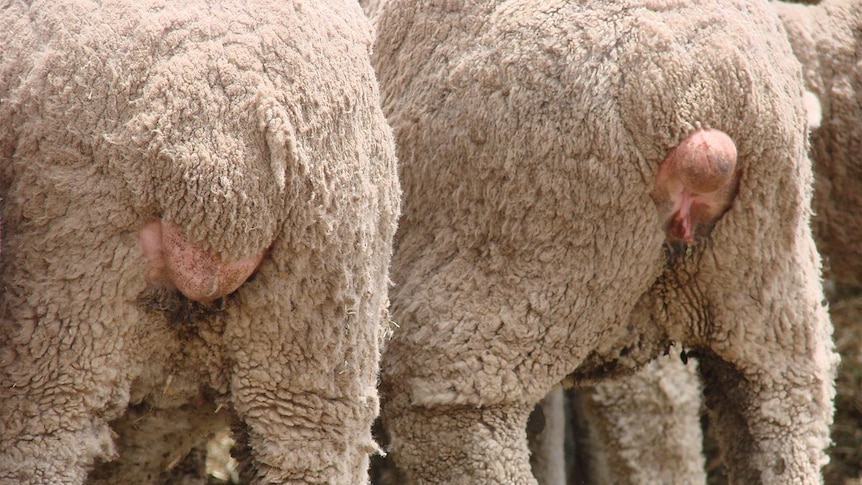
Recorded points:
(644,428)
(155,158)
(827,39)
(544,148)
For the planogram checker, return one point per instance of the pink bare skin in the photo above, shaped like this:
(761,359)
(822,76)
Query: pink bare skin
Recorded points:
(176,262)
(696,183)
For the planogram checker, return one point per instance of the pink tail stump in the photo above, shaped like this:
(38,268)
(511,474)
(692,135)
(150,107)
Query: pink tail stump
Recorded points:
(696,182)
(176,262)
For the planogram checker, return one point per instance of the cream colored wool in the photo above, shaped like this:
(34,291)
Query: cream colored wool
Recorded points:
(529,135)
(645,428)
(827,39)
(250,125)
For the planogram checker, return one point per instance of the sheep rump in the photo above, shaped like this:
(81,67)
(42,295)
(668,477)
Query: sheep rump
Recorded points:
(529,135)
(250,127)
(826,39)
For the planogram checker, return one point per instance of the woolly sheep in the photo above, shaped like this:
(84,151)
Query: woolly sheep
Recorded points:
(826,39)
(644,428)
(530,136)
(150,149)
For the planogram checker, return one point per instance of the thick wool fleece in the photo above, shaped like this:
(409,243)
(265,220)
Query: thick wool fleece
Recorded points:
(248,126)
(827,39)
(530,135)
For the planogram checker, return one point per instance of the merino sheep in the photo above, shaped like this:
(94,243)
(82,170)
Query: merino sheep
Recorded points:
(156,155)
(826,38)
(539,213)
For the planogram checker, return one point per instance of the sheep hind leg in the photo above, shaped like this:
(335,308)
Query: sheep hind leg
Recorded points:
(302,420)
(58,389)
(770,431)
(645,428)
(460,444)
(280,453)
